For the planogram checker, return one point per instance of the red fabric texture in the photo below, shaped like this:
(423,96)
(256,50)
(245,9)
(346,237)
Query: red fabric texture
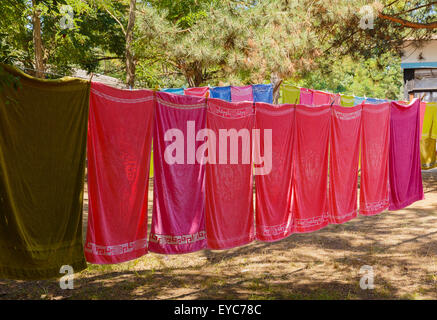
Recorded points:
(343,168)
(310,186)
(119,145)
(178,219)
(197,91)
(375,139)
(229,200)
(320,98)
(274,220)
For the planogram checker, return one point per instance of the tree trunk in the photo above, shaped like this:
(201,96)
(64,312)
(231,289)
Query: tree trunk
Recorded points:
(37,42)
(276,83)
(130,63)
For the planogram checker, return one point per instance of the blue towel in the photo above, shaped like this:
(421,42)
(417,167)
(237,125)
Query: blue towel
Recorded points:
(375,100)
(223,93)
(358,100)
(174,90)
(262,93)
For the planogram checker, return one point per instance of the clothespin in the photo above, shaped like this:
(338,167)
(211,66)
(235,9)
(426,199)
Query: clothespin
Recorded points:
(156,88)
(423,96)
(92,75)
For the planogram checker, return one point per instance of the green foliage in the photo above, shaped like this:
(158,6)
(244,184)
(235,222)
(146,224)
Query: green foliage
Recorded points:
(375,77)
(315,43)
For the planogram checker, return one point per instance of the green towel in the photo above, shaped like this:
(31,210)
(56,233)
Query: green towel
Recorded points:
(43,132)
(347,101)
(290,94)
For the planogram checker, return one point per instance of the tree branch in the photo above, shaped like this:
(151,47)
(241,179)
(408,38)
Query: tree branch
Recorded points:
(409,24)
(118,21)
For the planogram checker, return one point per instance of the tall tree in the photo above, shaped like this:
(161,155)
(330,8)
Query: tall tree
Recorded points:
(130,63)
(37,41)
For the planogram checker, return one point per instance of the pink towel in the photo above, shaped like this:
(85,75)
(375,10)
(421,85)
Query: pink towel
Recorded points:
(306,96)
(344,157)
(375,142)
(404,157)
(229,201)
(178,221)
(241,93)
(310,186)
(422,114)
(197,91)
(320,98)
(119,144)
(274,220)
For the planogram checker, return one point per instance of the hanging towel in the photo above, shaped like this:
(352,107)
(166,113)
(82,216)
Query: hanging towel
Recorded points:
(429,134)
(223,93)
(290,94)
(178,221)
(320,98)
(174,90)
(346,101)
(262,93)
(43,129)
(229,201)
(306,96)
(198,92)
(358,100)
(404,156)
(428,153)
(374,187)
(343,168)
(119,143)
(241,93)
(422,115)
(429,125)
(310,186)
(274,220)
(375,101)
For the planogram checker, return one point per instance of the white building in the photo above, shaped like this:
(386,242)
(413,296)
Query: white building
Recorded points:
(419,63)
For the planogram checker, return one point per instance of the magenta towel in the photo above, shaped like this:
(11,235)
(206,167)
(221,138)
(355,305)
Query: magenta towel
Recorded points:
(306,96)
(241,93)
(404,155)
(178,221)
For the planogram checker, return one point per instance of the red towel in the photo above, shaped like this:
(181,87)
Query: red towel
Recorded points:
(178,221)
(229,201)
(119,144)
(310,186)
(274,220)
(344,156)
(320,98)
(197,91)
(374,158)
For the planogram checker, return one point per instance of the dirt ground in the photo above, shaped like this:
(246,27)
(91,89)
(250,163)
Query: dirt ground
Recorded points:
(400,246)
